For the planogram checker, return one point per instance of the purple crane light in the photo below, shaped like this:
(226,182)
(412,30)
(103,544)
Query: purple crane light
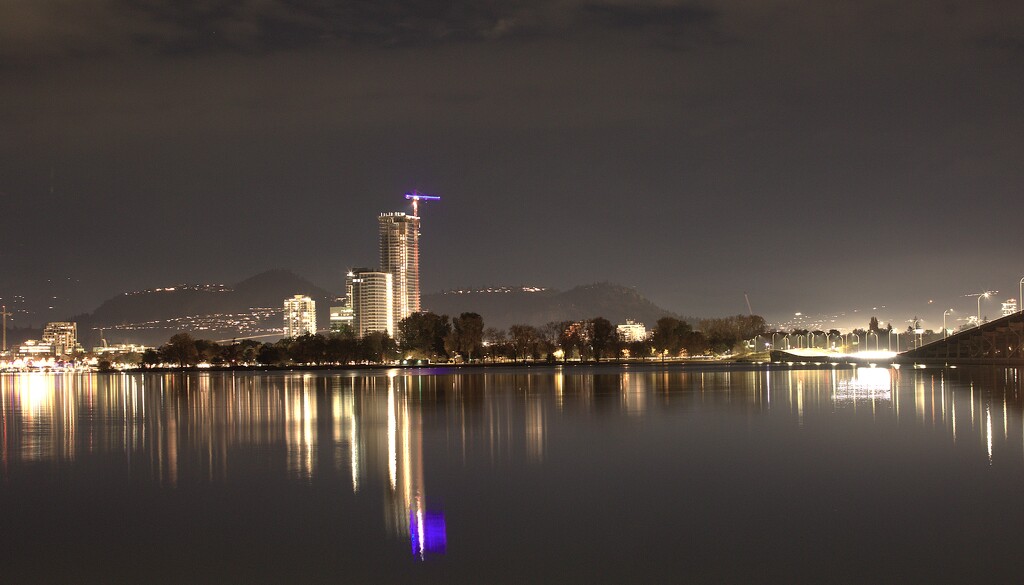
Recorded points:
(416,197)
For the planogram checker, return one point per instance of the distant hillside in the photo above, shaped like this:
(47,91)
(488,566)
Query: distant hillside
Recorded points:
(251,307)
(507,306)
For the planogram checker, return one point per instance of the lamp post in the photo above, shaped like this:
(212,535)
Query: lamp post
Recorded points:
(944,313)
(1020,297)
(984,295)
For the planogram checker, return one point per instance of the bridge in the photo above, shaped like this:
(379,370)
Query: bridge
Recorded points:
(999,342)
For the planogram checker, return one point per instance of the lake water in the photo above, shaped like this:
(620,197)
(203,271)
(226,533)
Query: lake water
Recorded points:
(539,475)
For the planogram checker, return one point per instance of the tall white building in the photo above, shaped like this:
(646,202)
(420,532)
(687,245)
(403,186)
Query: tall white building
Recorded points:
(400,256)
(299,316)
(372,302)
(62,335)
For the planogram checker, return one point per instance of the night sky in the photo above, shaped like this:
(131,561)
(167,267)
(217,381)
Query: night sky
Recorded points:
(821,156)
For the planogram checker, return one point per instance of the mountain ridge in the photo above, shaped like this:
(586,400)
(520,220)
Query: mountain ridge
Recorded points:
(252,308)
(503,308)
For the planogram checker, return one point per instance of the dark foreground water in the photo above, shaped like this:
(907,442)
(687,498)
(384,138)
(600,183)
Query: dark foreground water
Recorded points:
(575,475)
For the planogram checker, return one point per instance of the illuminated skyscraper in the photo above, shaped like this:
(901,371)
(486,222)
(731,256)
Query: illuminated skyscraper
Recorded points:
(400,256)
(299,316)
(372,297)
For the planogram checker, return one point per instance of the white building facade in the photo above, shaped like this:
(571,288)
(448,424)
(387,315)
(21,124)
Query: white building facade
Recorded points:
(372,302)
(631,331)
(299,316)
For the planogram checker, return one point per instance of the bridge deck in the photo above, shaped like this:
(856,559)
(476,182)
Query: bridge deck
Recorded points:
(996,342)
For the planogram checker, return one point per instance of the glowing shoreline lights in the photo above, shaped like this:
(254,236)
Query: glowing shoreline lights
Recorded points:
(867,384)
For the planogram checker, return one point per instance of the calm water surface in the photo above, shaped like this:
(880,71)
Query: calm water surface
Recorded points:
(543,475)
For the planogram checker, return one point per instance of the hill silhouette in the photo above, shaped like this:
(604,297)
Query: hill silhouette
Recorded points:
(253,306)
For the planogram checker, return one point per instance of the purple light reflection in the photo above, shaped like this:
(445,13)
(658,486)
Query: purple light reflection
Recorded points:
(428,533)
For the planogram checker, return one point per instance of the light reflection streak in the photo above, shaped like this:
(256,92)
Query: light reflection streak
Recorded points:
(972,405)
(800,401)
(919,397)
(535,430)
(1006,422)
(953,416)
(175,429)
(392,434)
(988,432)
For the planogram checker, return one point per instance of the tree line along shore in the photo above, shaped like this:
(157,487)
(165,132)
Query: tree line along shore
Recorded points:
(433,338)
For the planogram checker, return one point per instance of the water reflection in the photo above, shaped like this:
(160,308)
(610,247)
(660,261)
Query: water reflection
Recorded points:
(378,429)
(357,424)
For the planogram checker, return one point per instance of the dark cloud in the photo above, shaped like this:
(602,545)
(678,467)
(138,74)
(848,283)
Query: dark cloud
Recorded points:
(291,24)
(827,146)
(670,17)
(205,26)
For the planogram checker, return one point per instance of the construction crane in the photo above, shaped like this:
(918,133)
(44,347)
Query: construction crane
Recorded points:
(416,197)
(3,311)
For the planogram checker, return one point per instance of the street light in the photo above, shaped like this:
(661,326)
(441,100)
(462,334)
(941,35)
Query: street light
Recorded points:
(944,313)
(1020,297)
(984,295)
(848,345)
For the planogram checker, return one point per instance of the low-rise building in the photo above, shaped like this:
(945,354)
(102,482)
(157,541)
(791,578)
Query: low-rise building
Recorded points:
(631,331)
(1009,307)
(119,348)
(342,317)
(33,348)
